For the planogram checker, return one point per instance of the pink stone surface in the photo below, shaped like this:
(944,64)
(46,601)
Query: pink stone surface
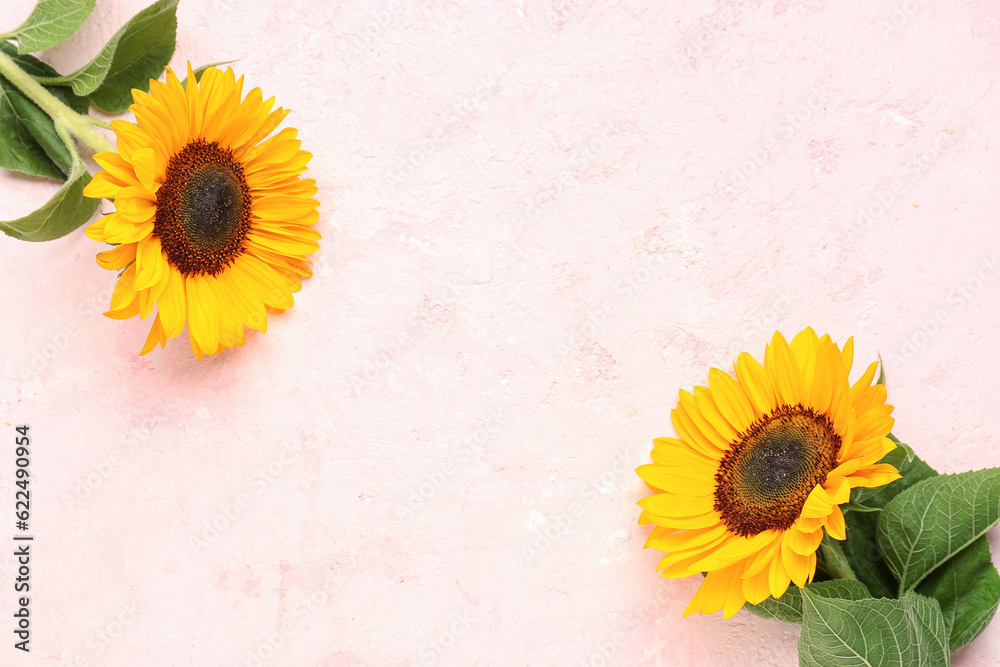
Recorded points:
(540,221)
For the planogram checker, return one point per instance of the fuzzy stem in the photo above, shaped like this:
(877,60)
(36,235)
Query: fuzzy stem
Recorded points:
(78,125)
(836,563)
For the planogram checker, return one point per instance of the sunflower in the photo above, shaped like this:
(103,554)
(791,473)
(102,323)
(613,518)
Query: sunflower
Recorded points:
(762,464)
(212,219)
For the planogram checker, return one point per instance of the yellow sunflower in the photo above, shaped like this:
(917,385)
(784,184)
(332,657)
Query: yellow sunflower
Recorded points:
(761,466)
(212,220)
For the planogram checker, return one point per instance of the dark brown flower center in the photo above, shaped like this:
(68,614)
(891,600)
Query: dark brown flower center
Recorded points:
(203,209)
(764,480)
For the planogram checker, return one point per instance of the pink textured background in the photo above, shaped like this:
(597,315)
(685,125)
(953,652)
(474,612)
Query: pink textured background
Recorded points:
(540,221)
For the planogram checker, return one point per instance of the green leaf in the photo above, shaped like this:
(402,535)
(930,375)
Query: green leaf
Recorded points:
(929,640)
(43,131)
(881,371)
(20,149)
(198,71)
(908,632)
(898,456)
(932,521)
(137,53)
(788,607)
(906,448)
(66,211)
(50,23)
(28,139)
(860,548)
(968,589)
(34,67)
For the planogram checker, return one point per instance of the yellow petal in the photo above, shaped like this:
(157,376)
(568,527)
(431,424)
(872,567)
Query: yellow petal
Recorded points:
(146,167)
(865,380)
(172,303)
(803,347)
(686,560)
(251,272)
(756,383)
(824,375)
(761,562)
(818,504)
(804,543)
(838,489)
(282,244)
(149,263)
(778,578)
(677,480)
(150,296)
(756,588)
(124,300)
(686,539)
(273,120)
(117,229)
(135,209)
(783,371)
(710,411)
(735,599)
(796,565)
(669,505)
(118,257)
(202,308)
(711,595)
(155,336)
(736,549)
(710,441)
(102,185)
(875,475)
(671,451)
(117,167)
(731,400)
(835,525)
(706,520)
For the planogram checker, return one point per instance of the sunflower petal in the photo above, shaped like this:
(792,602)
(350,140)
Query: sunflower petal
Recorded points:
(202,309)
(172,303)
(731,400)
(835,525)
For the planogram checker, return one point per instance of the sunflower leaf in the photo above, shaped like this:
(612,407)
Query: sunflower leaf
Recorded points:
(43,130)
(67,210)
(901,445)
(788,607)
(881,371)
(136,53)
(50,23)
(932,521)
(20,149)
(860,548)
(896,457)
(28,139)
(968,589)
(846,633)
(34,67)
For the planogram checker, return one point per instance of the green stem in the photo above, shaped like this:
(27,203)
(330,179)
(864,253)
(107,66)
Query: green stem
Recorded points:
(836,562)
(78,125)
